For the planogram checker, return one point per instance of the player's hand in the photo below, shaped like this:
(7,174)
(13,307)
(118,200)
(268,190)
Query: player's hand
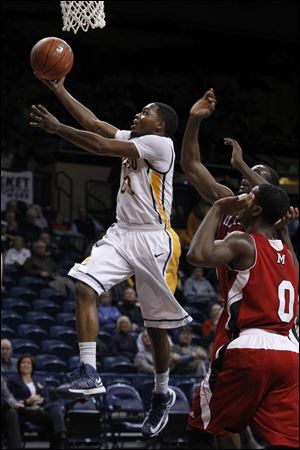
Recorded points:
(291,215)
(234,206)
(41,118)
(55,86)
(204,107)
(237,152)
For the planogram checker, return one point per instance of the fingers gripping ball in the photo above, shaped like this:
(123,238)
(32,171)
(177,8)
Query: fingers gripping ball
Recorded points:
(51,58)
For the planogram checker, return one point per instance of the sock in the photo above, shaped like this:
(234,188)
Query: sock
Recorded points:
(161,382)
(87,352)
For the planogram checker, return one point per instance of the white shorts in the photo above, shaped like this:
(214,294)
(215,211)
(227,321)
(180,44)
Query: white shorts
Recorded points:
(149,252)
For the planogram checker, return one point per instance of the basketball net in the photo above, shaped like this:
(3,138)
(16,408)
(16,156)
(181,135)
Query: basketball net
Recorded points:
(82,15)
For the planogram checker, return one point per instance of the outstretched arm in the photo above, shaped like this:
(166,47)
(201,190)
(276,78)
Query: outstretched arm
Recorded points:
(83,115)
(237,247)
(190,162)
(237,161)
(282,232)
(93,143)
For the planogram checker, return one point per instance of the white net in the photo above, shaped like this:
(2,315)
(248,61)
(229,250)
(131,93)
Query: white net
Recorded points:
(82,15)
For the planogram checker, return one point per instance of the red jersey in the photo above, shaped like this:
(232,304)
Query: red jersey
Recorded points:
(228,224)
(261,297)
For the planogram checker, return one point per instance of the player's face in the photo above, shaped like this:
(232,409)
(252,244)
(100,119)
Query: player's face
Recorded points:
(245,187)
(145,122)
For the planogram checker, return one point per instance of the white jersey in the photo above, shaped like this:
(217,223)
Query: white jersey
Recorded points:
(146,185)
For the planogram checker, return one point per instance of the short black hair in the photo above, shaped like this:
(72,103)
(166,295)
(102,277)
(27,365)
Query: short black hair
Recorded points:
(267,173)
(273,201)
(26,355)
(169,116)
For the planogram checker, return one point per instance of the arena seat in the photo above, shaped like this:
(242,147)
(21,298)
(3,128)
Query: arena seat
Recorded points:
(50,363)
(64,333)
(23,292)
(17,305)
(40,318)
(47,306)
(22,346)
(68,319)
(108,361)
(34,283)
(32,332)
(58,348)
(11,319)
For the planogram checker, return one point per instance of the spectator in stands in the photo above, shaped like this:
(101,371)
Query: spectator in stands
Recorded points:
(27,387)
(40,265)
(108,314)
(12,224)
(143,360)
(18,253)
(192,224)
(123,343)
(5,237)
(197,289)
(129,306)
(12,206)
(209,325)
(86,225)
(10,419)
(185,357)
(61,227)
(41,220)
(52,248)
(28,229)
(8,362)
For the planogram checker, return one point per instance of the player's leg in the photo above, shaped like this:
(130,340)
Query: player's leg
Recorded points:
(104,268)
(163,398)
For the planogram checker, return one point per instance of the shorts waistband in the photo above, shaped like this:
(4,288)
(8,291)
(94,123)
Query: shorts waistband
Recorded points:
(141,227)
(259,331)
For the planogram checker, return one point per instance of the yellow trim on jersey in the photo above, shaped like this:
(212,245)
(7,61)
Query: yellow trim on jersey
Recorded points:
(156,184)
(172,268)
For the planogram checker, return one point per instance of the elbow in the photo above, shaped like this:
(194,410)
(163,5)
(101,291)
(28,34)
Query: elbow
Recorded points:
(194,258)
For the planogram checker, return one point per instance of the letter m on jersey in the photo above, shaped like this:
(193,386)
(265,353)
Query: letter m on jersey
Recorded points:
(280,259)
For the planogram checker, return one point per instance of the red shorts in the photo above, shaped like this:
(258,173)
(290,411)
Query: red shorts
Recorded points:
(253,381)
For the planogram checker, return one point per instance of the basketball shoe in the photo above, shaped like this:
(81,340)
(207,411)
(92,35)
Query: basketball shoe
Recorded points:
(158,415)
(85,381)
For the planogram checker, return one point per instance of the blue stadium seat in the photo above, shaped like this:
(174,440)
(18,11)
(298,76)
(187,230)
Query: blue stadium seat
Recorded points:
(123,367)
(146,392)
(22,346)
(58,348)
(181,404)
(8,281)
(23,292)
(52,294)
(123,397)
(33,332)
(40,318)
(105,337)
(66,319)
(69,306)
(47,306)
(34,283)
(186,387)
(195,388)
(17,305)
(108,361)
(50,363)
(7,332)
(11,319)
(65,333)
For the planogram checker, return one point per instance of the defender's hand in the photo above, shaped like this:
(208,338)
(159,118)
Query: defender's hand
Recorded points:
(237,152)
(292,214)
(204,107)
(234,205)
(41,118)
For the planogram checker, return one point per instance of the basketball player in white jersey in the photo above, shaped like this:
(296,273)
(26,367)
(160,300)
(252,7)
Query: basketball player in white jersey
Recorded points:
(141,243)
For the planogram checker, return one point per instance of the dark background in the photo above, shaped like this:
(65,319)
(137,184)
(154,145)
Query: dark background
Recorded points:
(162,51)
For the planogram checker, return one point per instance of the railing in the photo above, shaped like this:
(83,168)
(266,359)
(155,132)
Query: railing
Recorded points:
(100,200)
(42,182)
(64,194)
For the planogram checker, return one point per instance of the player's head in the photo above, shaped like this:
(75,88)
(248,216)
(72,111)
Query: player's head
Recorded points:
(270,204)
(155,118)
(264,171)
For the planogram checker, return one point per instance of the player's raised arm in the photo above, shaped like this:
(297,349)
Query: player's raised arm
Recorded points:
(190,162)
(83,115)
(92,142)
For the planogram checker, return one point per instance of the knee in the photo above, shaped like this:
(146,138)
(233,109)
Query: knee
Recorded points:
(84,292)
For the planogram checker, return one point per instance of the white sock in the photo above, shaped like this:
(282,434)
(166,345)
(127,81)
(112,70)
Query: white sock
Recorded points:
(161,382)
(87,352)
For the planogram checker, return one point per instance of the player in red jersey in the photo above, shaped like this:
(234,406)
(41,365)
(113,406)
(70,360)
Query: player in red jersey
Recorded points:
(211,190)
(254,377)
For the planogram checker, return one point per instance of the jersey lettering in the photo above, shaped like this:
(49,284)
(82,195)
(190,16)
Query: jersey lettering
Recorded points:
(286,287)
(280,259)
(130,163)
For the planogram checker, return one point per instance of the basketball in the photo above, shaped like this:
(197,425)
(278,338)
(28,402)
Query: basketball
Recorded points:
(51,58)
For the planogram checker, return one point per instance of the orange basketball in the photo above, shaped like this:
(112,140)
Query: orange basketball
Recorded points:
(51,58)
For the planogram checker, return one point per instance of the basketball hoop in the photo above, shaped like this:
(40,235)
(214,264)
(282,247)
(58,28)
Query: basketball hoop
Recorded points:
(82,15)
